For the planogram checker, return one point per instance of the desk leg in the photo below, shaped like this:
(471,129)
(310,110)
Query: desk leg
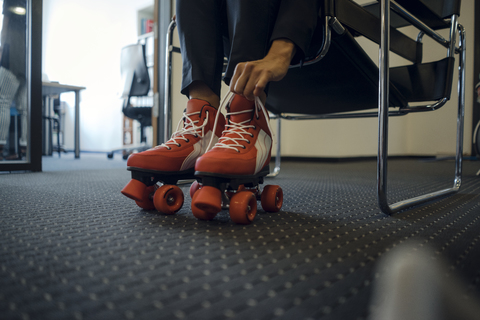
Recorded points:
(44,124)
(77,124)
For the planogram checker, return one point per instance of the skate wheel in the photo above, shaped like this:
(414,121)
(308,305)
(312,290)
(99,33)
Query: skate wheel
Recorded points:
(168,199)
(194,188)
(147,203)
(206,203)
(134,190)
(272,198)
(243,207)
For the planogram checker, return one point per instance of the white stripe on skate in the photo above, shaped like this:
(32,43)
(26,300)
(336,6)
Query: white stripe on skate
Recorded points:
(199,149)
(189,161)
(263,146)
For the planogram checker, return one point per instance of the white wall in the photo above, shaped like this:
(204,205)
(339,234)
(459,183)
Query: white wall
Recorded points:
(430,133)
(81,46)
(82,40)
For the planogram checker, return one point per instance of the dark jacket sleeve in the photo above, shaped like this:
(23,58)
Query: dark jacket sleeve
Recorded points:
(296,21)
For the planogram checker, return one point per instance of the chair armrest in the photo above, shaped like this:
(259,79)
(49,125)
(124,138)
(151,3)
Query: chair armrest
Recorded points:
(367,24)
(432,12)
(417,8)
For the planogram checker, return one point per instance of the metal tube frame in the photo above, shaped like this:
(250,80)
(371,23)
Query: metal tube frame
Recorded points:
(327,39)
(383,95)
(167,112)
(278,157)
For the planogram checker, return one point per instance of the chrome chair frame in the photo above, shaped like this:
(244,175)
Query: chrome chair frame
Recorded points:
(383,95)
(383,114)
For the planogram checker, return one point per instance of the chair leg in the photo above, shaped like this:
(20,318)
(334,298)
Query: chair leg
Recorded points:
(276,170)
(383,121)
(383,95)
(16,139)
(143,138)
(167,101)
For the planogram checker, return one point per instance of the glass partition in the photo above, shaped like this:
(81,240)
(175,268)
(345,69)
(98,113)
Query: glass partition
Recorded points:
(20,87)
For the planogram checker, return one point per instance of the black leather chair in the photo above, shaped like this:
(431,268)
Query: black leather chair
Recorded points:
(338,64)
(136,80)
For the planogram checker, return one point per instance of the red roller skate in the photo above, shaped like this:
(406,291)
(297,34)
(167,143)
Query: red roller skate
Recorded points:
(173,160)
(231,172)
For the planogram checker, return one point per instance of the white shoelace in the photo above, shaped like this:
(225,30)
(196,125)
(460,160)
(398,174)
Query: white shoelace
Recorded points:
(238,130)
(190,128)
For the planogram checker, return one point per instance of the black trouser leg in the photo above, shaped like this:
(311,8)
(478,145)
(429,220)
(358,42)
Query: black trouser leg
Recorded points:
(211,29)
(250,26)
(200,29)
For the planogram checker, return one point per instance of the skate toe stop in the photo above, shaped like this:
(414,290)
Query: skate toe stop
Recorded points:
(134,190)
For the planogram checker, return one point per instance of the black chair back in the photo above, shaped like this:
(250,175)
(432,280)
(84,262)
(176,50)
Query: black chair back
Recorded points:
(134,71)
(346,79)
(136,80)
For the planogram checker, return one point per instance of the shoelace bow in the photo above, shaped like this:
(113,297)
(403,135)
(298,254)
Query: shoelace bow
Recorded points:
(190,128)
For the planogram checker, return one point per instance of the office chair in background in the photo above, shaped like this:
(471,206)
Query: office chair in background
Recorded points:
(136,80)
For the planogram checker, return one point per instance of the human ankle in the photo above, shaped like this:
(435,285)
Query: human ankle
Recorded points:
(199,90)
(212,101)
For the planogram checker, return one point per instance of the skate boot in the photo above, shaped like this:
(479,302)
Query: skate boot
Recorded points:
(230,173)
(173,160)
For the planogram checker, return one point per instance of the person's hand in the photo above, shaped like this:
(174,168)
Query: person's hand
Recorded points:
(250,78)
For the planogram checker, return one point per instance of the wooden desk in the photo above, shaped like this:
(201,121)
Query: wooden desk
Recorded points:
(54,88)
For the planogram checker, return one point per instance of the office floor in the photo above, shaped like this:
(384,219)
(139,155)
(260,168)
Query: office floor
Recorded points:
(72,247)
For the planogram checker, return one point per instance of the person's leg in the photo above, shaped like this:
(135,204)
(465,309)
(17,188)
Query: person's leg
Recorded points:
(199,90)
(250,26)
(201,25)
(8,86)
(245,146)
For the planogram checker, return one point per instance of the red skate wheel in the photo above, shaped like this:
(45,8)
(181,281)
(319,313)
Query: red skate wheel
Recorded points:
(243,207)
(146,202)
(134,190)
(206,203)
(194,188)
(168,199)
(272,198)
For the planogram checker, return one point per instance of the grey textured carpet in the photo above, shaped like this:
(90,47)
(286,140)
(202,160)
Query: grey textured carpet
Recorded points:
(72,247)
